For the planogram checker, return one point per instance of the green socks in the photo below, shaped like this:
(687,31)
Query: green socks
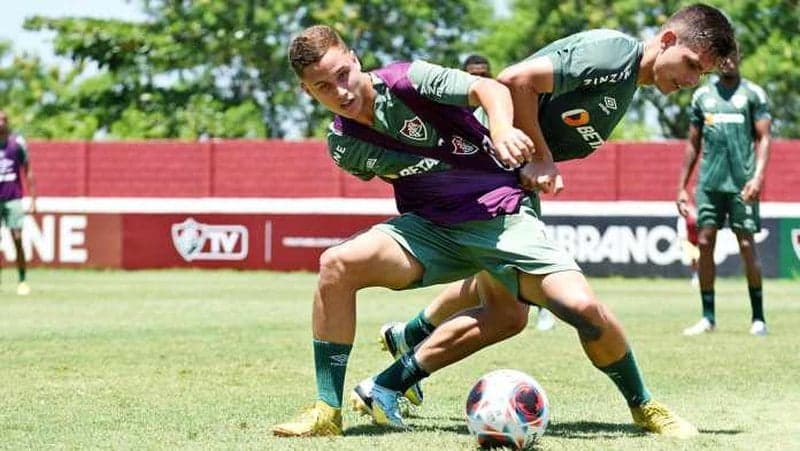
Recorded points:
(418,329)
(402,374)
(625,374)
(707,297)
(756,303)
(330,362)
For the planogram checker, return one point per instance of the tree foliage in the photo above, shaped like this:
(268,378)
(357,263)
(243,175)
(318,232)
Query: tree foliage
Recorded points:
(215,68)
(767,30)
(210,68)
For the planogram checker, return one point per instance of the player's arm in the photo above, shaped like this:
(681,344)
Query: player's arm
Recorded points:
(27,169)
(512,146)
(762,138)
(526,81)
(693,143)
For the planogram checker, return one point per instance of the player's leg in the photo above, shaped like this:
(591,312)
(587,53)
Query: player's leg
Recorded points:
(570,297)
(399,338)
(712,208)
(502,247)
(745,221)
(14,217)
(370,259)
(23,289)
(500,316)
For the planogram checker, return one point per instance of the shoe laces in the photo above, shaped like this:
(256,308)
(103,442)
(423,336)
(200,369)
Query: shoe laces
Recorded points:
(661,413)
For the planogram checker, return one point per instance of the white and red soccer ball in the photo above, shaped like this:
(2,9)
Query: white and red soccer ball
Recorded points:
(507,408)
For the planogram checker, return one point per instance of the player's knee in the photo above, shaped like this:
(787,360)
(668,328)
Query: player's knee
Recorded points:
(332,267)
(589,317)
(745,245)
(510,321)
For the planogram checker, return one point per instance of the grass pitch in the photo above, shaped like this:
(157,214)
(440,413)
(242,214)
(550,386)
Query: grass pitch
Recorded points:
(210,360)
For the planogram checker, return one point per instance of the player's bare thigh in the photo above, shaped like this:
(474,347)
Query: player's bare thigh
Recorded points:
(371,258)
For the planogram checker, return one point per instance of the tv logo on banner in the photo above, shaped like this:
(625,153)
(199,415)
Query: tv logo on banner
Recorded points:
(197,241)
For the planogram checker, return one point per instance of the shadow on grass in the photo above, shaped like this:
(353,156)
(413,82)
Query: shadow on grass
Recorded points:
(567,430)
(593,429)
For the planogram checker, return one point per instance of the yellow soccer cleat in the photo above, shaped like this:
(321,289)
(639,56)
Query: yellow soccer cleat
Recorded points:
(318,421)
(655,417)
(23,289)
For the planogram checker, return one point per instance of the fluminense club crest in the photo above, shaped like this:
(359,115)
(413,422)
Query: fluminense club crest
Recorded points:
(197,241)
(414,129)
(463,147)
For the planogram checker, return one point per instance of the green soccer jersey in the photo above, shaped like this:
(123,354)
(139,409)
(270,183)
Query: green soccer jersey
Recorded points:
(726,117)
(594,79)
(394,119)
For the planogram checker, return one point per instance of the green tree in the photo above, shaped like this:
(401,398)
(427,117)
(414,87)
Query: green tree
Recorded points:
(219,68)
(767,30)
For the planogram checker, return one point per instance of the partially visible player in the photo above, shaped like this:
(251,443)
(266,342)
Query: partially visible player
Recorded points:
(14,163)
(730,124)
(477,65)
(444,234)
(568,97)
(686,228)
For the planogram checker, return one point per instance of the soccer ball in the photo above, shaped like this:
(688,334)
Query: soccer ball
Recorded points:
(507,408)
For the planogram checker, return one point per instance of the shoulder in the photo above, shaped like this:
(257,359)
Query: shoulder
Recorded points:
(344,148)
(755,89)
(601,50)
(700,92)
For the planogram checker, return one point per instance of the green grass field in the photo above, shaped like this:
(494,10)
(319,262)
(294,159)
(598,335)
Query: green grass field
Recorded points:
(205,359)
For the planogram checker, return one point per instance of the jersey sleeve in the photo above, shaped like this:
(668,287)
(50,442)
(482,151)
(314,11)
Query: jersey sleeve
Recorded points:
(23,149)
(441,84)
(585,61)
(351,154)
(366,161)
(759,103)
(696,116)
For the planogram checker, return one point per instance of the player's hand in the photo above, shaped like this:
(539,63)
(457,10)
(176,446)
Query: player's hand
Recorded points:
(512,146)
(683,203)
(751,190)
(543,176)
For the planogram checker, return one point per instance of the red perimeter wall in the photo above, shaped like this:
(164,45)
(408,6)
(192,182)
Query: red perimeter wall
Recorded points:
(617,171)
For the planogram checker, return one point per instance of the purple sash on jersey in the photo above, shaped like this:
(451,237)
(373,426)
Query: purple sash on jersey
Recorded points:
(477,188)
(10,163)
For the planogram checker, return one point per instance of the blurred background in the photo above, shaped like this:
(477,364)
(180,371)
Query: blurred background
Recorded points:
(181,120)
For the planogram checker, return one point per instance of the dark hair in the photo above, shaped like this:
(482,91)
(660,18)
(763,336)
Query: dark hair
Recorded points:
(310,46)
(704,27)
(475,59)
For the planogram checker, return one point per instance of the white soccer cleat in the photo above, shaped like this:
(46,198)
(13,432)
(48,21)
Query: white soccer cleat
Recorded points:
(545,320)
(393,339)
(758,328)
(23,289)
(369,398)
(703,326)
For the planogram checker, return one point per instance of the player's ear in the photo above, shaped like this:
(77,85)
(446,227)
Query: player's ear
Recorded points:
(356,61)
(305,88)
(668,39)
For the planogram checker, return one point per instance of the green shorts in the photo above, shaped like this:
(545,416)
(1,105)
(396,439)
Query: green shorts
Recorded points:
(501,246)
(714,207)
(11,213)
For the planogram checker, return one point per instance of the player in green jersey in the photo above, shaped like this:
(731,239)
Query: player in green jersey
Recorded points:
(436,242)
(730,125)
(568,97)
